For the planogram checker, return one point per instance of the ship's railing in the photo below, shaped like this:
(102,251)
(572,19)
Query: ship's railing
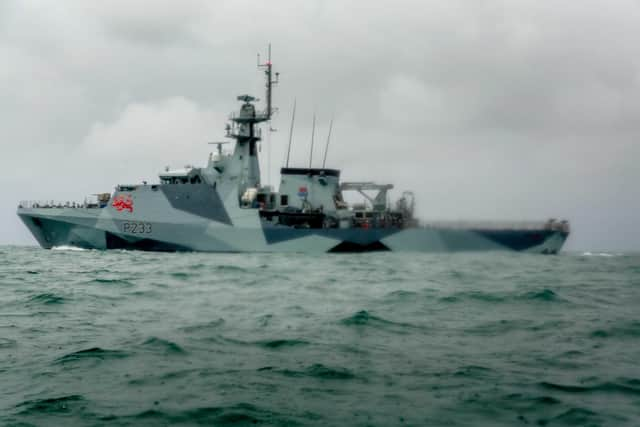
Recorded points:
(56,204)
(259,115)
(551,224)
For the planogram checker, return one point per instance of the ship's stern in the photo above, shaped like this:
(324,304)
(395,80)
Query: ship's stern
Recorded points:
(552,244)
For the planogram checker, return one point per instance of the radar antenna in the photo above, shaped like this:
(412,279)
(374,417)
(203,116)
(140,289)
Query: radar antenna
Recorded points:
(219,144)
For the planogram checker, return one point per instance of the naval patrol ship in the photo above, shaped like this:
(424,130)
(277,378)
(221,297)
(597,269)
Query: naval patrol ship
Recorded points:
(223,207)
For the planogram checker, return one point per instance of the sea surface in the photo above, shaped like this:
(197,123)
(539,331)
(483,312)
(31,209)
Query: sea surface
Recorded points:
(151,339)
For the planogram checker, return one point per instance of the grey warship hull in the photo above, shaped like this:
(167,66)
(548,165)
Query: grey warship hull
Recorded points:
(163,227)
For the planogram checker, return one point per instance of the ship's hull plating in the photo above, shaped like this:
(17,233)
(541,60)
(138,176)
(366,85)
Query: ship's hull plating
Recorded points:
(101,229)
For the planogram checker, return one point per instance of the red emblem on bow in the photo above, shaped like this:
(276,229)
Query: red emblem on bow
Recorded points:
(121,203)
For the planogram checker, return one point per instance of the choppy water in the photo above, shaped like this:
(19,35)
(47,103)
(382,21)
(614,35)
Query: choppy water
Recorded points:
(133,338)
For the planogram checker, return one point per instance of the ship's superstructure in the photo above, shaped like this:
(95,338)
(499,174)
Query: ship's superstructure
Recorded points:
(223,207)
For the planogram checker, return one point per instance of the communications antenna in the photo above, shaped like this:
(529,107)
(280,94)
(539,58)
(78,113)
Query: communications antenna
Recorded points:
(313,132)
(293,119)
(326,148)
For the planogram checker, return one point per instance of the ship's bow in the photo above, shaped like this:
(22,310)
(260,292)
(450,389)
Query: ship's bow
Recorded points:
(62,226)
(36,227)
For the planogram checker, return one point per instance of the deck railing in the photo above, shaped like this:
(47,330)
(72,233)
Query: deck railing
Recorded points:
(550,224)
(56,204)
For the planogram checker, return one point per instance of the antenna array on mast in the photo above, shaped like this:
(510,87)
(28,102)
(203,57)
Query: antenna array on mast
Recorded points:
(270,81)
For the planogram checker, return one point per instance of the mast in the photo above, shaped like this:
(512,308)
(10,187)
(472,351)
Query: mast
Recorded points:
(270,82)
(244,165)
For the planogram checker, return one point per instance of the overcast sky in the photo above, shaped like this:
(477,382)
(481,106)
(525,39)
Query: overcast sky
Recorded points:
(486,109)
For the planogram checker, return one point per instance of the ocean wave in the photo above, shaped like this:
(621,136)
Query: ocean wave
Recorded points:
(577,417)
(281,343)
(183,275)
(499,327)
(92,353)
(155,379)
(624,387)
(52,405)
(473,371)
(109,281)
(198,266)
(364,318)
(91,270)
(319,371)
(550,325)
(203,326)
(402,295)
(237,414)
(544,295)
(473,296)
(532,401)
(47,299)
(620,330)
(168,347)
(603,254)
(230,268)
(7,342)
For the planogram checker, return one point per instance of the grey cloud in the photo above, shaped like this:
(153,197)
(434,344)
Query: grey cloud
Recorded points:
(494,109)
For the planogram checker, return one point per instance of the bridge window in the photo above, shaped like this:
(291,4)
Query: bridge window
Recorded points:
(284,200)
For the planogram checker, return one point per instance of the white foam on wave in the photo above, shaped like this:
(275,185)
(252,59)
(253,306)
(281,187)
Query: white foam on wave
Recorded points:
(67,248)
(604,254)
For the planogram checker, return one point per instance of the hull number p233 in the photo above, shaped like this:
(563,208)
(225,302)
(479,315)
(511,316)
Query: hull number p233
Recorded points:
(135,227)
